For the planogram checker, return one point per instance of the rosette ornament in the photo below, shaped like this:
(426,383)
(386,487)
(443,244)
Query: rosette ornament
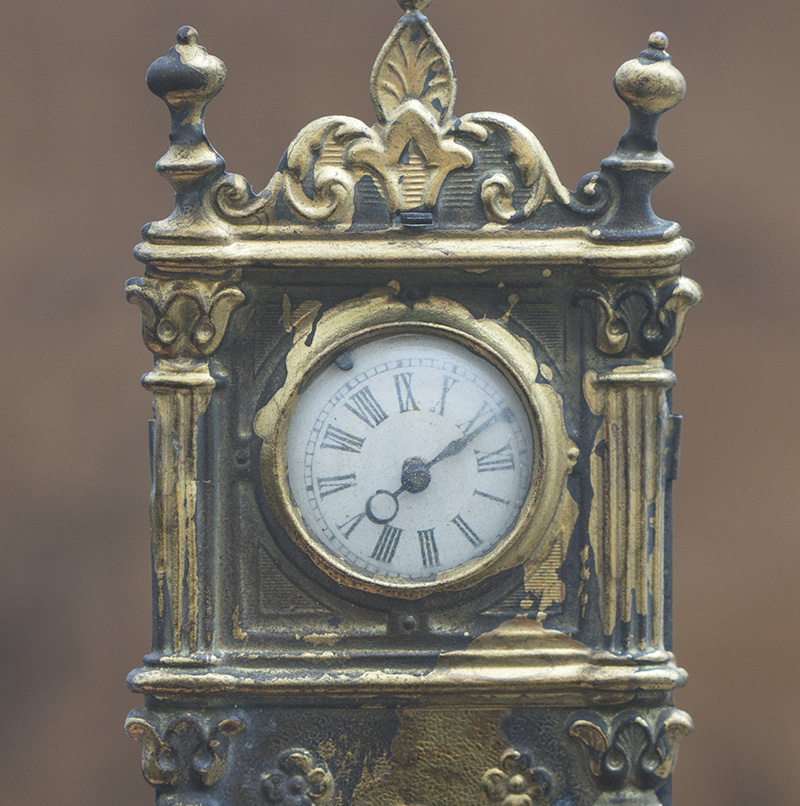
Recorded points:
(516,783)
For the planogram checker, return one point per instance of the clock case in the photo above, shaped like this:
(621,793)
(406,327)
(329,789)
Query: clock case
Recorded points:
(547,681)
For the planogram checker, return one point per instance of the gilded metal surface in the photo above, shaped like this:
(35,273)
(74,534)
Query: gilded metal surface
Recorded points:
(540,674)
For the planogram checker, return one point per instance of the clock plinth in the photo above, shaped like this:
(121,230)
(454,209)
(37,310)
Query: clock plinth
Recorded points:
(413,453)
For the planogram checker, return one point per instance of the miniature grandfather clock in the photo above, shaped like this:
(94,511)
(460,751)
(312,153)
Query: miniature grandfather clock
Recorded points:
(412,456)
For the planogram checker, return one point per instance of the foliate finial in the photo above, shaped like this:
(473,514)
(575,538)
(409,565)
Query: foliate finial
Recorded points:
(414,5)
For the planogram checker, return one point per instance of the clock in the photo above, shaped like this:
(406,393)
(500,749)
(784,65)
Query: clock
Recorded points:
(413,449)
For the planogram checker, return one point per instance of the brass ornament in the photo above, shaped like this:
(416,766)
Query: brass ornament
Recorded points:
(515,783)
(298,781)
(182,751)
(643,319)
(628,758)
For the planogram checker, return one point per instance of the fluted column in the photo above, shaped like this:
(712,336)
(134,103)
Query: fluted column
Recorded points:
(183,322)
(627,520)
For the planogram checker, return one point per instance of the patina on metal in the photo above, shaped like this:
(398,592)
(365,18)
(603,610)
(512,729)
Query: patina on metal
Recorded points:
(538,673)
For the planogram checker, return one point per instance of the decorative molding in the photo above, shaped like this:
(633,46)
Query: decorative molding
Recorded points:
(633,755)
(183,320)
(183,753)
(627,516)
(183,323)
(537,175)
(643,319)
(515,783)
(298,781)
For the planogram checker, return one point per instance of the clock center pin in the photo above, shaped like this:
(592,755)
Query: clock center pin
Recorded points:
(416,476)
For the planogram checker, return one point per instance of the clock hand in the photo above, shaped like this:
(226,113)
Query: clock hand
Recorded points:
(383,506)
(458,445)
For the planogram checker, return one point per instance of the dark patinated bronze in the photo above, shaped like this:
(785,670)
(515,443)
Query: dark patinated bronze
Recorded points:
(538,673)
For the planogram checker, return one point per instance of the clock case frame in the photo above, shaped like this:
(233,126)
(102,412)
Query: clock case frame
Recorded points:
(554,677)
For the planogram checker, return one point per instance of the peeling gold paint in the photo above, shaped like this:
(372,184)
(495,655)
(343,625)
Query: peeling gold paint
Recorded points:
(301,319)
(322,639)
(513,300)
(583,593)
(238,633)
(437,758)
(543,579)
(628,508)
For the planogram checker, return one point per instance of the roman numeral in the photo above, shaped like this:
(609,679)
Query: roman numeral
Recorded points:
(387,544)
(447,384)
(491,497)
(364,405)
(405,397)
(482,419)
(467,530)
(501,459)
(348,527)
(335,484)
(341,440)
(427,545)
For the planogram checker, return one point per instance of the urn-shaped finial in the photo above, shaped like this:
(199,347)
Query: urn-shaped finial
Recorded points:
(186,79)
(651,83)
(187,74)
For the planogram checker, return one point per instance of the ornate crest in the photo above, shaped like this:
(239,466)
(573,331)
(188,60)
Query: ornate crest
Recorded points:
(419,166)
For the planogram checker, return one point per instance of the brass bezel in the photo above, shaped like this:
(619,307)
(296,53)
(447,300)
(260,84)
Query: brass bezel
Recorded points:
(381,313)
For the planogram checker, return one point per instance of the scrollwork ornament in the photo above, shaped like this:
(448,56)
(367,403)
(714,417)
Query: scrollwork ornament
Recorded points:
(536,171)
(642,319)
(515,783)
(633,755)
(298,781)
(183,753)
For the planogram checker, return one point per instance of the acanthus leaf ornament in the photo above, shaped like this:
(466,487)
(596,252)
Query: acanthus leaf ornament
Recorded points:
(183,320)
(631,756)
(643,319)
(185,752)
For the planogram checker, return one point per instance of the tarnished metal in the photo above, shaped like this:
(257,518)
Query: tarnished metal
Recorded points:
(539,671)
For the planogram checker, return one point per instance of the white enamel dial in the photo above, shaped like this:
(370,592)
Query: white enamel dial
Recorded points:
(409,456)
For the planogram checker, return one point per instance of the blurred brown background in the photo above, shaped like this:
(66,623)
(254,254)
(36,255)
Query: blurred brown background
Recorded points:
(80,134)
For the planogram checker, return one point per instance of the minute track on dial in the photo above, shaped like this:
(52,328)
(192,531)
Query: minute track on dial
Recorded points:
(394,452)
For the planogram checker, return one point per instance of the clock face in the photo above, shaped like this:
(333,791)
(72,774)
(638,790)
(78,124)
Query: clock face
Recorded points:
(409,456)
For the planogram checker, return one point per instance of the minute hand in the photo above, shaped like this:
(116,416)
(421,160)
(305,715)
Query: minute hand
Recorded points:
(458,445)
